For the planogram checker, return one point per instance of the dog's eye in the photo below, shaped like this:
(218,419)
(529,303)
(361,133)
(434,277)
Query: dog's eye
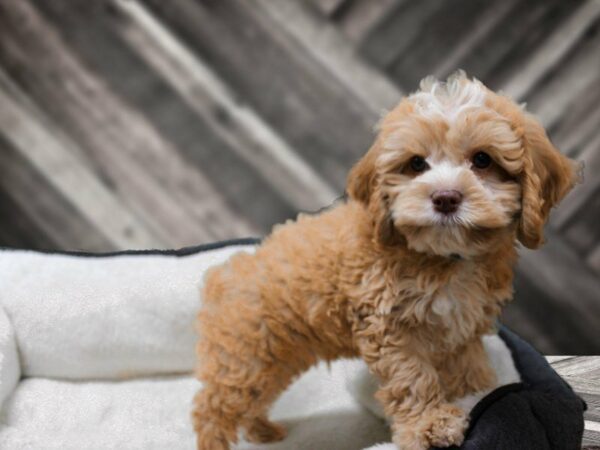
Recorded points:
(482,160)
(418,164)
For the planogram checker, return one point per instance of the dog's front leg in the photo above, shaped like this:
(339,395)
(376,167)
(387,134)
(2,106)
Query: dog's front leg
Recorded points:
(467,371)
(413,399)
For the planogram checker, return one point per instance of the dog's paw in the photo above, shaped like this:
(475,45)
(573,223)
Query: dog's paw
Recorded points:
(444,426)
(262,431)
(440,427)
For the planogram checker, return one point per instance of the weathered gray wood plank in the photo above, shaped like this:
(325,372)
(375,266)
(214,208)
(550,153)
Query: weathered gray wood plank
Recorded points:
(360,16)
(591,440)
(18,230)
(489,57)
(528,36)
(577,367)
(553,49)
(484,24)
(583,374)
(328,46)
(560,89)
(440,34)
(554,359)
(244,132)
(559,298)
(583,193)
(593,402)
(396,31)
(289,88)
(56,159)
(95,36)
(580,125)
(237,129)
(329,7)
(581,230)
(175,200)
(37,209)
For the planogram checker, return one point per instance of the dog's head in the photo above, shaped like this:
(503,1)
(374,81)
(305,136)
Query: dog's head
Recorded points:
(455,167)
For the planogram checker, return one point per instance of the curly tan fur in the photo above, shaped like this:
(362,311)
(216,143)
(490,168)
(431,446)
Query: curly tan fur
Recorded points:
(383,277)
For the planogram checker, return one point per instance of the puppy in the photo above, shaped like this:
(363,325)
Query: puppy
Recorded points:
(408,274)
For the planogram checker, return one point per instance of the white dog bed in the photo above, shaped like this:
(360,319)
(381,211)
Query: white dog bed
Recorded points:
(96,352)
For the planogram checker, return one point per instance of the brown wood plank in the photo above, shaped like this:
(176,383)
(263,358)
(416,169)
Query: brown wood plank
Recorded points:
(179,205)
(288,87)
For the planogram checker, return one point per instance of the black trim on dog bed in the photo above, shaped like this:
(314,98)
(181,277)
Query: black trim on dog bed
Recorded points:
(185,251)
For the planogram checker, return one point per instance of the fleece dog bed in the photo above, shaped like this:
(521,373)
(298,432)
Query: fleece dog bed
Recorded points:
(96,352)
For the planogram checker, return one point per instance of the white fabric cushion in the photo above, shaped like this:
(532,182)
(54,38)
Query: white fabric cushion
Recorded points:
(153,413)
(10,372)
(104,317)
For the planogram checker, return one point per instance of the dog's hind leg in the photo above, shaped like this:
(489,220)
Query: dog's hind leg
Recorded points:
(219,410)
(215,424)
(261,430)
(269,384)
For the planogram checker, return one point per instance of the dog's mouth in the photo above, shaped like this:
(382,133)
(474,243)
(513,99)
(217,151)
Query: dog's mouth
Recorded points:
(450,239)
(452,219)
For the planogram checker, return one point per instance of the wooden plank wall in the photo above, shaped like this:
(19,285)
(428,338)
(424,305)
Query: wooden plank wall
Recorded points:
(144,123)
(583,375)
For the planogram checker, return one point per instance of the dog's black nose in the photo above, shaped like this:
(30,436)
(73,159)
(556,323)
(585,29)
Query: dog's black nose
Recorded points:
(446,201)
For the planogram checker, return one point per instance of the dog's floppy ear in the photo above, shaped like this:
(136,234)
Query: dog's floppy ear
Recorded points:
(362,177)
(547,177)
(362,186)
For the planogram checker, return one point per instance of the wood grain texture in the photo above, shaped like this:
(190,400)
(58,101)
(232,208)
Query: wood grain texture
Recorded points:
(144,123)
(287,87)
(552,284)
(360,16)
(178,204)
(583,374)
(397,30)
(33,210)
